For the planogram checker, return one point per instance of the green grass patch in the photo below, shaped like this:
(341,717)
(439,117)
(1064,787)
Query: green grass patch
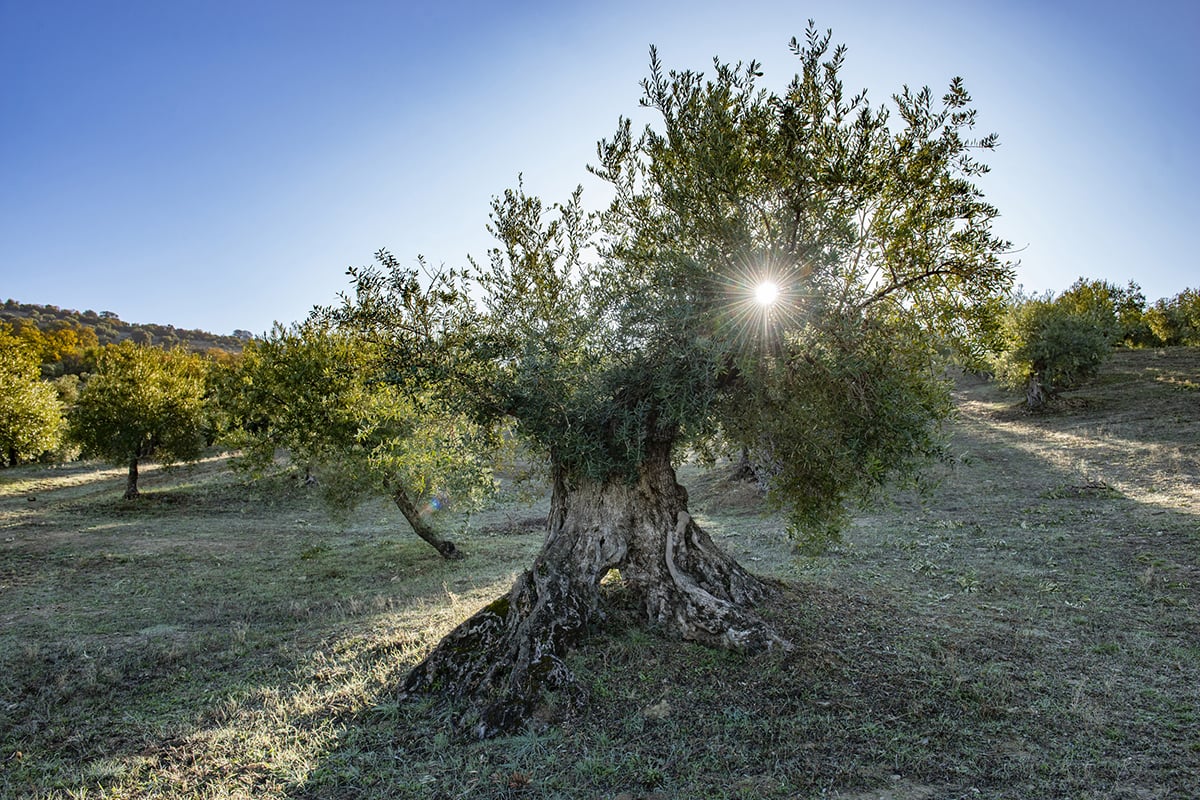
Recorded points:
(1026,630)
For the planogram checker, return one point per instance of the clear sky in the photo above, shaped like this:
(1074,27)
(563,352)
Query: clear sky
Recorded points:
(218,164)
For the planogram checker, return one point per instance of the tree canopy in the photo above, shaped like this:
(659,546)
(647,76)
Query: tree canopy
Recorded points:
(141,402)
(617,341)
(1119,310)
(602,334)
(323,396)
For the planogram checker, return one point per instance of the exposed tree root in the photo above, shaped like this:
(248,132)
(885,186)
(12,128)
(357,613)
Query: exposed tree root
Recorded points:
(508,659)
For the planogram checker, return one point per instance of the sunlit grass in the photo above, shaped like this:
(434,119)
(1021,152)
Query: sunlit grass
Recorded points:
(1019,633)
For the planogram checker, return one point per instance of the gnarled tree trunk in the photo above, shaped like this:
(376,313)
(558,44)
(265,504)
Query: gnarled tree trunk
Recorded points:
(508,655)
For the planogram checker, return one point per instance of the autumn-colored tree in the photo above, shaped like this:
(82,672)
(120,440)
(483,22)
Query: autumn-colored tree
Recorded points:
(31,416)
(60,347)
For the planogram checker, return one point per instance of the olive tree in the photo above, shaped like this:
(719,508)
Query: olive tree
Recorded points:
(1118,310)
(777,270)
(1051,345)
(140,403)
(320,395)
(1176,320)
(31,416)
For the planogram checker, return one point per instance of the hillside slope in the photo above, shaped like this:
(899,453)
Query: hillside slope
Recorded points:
(110,329)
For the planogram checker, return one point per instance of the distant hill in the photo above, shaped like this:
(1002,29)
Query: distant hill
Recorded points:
(110,329)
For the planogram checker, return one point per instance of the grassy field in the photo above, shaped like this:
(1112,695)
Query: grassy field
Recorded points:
(1028,629)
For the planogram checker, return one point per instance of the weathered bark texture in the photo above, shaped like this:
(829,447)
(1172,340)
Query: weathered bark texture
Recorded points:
(510,654)
(422,528)
(684,582)
(131,482)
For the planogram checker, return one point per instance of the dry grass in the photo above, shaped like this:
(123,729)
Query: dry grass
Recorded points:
(1029,629)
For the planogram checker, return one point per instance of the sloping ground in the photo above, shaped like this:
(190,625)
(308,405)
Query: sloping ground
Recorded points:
(1135,429)
(1030,628)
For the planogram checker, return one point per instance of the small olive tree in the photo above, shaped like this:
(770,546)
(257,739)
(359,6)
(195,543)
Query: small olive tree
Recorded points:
(320,395)
(140,403)
(1051,345)
(31,416)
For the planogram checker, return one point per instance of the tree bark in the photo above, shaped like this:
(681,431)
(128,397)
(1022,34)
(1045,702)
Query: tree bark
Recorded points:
(131,482)
(422,528)
(508,656)
(745,470)
(1035,393)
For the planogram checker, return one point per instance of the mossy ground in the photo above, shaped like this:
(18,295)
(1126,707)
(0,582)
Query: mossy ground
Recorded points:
(1028,629)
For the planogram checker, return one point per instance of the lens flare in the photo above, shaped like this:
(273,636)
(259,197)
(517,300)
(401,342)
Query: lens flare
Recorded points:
(766,293)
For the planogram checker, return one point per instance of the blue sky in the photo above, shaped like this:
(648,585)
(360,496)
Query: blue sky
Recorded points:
(218,165)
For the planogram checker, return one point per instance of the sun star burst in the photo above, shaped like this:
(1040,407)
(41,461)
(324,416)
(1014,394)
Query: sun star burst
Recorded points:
(766,293)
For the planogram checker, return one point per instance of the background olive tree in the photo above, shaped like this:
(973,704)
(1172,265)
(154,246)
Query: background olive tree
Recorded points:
(140,403)
(321,395)
(1051,345)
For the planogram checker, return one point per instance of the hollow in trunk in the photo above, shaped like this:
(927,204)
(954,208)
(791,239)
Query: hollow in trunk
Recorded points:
(509,658)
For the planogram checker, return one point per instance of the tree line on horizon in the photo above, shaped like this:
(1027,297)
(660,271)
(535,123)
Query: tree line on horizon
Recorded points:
(63,332)
(291,389)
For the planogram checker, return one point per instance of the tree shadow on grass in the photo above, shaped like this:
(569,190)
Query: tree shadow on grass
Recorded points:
(126,667)
(1026,630)
(1015,632)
